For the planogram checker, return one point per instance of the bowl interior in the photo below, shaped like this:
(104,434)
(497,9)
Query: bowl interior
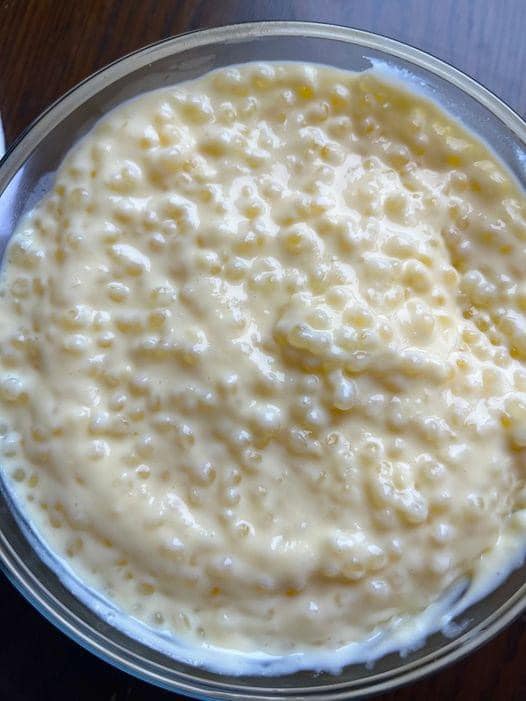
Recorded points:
(27,173)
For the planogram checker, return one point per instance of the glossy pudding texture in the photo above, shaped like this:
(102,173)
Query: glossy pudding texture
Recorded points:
(262,357)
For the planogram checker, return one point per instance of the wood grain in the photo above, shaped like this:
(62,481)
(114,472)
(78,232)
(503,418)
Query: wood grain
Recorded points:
(46,47)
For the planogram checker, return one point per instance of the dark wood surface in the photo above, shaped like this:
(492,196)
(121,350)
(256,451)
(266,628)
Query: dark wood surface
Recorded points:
(46,46)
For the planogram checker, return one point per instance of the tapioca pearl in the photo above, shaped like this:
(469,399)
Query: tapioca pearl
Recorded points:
(434,429)
(215,235)
(375,557)
(148,138)
(98,449)
(110,377)
(337,297)
(140,384)
(515,407)
(401,475)
(419,320)
(133,262)
(352,569)
(230,497)
(230,81)
(253,207)
(373,405)
(98,364)
(183,213)
(492,379)
(99,422)
(126,210)
(295,280)
(317,113)
(126,179)
(207,262)
(237,437)
(145,445)
(227,383)
(440,563)
(396,208)
(165,169)
(20,287)
(143,471)
(183,432)
(218,143)
(193,347)
(266,419)
(171,135)
(13,388)
(443,533)
(396,448)
(158,318)
(212,195)
(310,415)
(233,476)
(300,442)
(248,107)
(197,109)
(118,291)
(357,316)
(163,295)
(440,502)
(399,157)
(18,474)
(282,111)
(371,450)
(400,247)
(119,426)
(109,232)
(226,113)
(79,198)
(165,112)
(319,318)
(513,325)
(339,98)
(24,252)
(243,528)
(251,459)
(156,242)
(378,590)
(339,127)
(33,480)
(272,190)
(384,518)
(76,344)
(78,317)
(262,77)
(131,322)
(415,275)
(249,244)
(118,401)
(428,469)
(478,288)
(413,507)
(470,335)
(366,126)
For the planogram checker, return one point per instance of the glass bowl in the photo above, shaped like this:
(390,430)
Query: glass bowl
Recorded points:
(25,175)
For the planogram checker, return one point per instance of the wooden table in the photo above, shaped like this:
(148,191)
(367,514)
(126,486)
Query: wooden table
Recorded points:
(46,46)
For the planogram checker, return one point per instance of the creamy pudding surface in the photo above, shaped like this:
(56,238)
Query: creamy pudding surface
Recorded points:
(263,358)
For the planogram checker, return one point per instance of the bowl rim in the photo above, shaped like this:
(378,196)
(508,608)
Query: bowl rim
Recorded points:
(18,572)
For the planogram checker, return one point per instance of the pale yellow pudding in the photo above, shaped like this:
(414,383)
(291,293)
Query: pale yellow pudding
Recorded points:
(262,358)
